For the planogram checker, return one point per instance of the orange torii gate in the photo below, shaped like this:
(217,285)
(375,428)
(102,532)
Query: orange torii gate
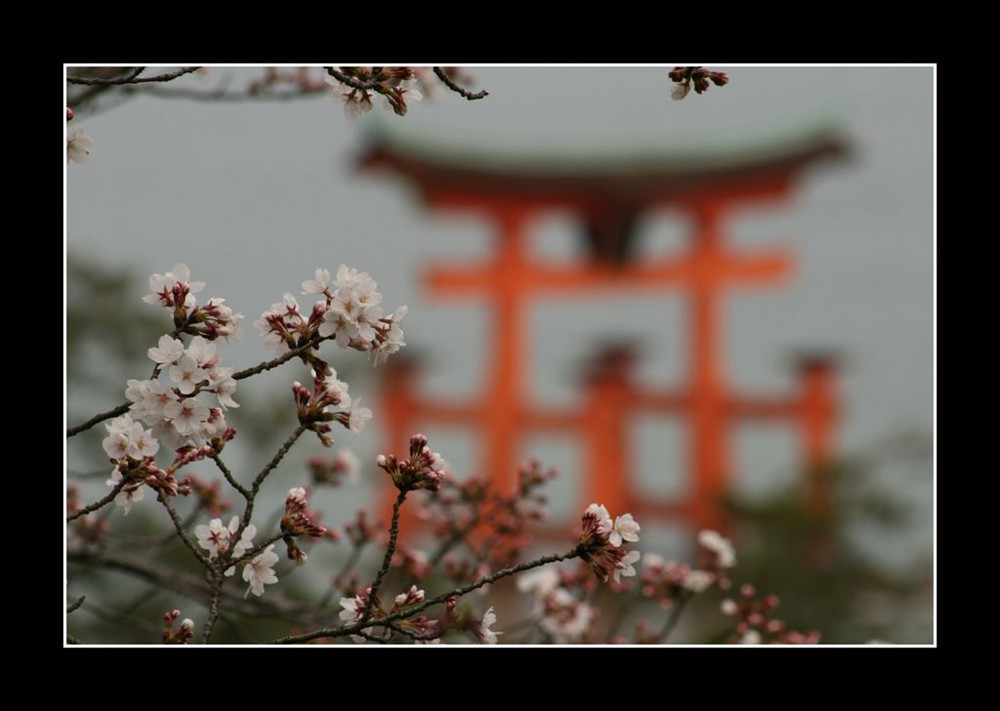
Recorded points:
(609,195)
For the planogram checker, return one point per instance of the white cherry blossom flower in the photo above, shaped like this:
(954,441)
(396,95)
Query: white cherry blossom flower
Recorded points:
(721,547)
(626,529)
(488,635)
(359,416)
(624,567)
(168,350)
(187,374)
(203,352)
(353,607)
(78,145)
(214,537)
(698,581)
(260,571)
(540,582)
(318,285)
(246,538)
(127,496)
(186,415)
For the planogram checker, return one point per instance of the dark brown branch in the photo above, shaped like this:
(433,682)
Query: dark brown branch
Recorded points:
(387,558)
(441,74)
(196,588)
(75,605)
(229,476)
(420,607)
(98,504)
(131,78)
(97,419)
(275,362)
(374,84)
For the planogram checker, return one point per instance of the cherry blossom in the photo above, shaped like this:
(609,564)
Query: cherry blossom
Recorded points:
(721,548)
(78,145)
(168,350)
(626,529)
(488,635)
(260,572)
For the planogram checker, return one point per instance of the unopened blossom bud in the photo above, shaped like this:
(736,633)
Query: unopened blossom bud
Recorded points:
(719,78)
(748,591)
(187,624)
(417,444)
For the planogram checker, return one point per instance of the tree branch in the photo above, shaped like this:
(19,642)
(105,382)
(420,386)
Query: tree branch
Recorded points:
(420,607)
(131,78)
(98,504)
(387,558)
(461,91)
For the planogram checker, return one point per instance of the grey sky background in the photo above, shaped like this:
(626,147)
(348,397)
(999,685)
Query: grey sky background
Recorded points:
(253,197)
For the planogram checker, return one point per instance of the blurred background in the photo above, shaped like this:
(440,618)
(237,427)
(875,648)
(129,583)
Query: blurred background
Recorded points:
(255,195)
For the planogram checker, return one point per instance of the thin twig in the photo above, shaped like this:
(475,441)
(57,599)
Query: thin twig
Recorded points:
(213,607)
(461,91)
(75,605)
(268,468)
(420,607)
(96,419)
(373,84)
(275,362)
(195,587)
(98,504)
(132,78)
(387,558)
(229,476)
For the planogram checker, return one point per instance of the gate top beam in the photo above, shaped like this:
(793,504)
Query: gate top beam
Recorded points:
(599,182)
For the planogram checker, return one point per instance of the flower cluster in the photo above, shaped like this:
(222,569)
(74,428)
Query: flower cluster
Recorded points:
(351,313)
(699,77)
(423,469)
(560,615)
(397,85)
(184,632)
(131,449)
(177,416)
(228,541)
(312,406)
(298,521)
(755,623)
(175,291)
(601,543)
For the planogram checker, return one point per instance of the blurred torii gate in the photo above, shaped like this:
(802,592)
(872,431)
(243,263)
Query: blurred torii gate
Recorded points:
(609,195)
